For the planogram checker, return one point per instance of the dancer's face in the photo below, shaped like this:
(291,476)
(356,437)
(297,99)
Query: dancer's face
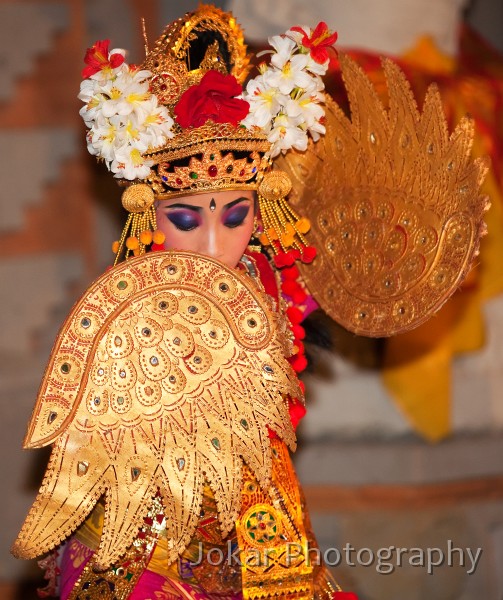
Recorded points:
(217,224)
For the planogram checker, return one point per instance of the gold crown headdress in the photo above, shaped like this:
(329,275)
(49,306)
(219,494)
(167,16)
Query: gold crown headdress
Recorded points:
(183,124)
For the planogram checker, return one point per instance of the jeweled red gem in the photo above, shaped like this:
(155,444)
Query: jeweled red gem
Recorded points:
(241,173)
(212,171)
(178,181)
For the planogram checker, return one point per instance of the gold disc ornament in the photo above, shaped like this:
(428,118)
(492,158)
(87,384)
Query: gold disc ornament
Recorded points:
(138,198)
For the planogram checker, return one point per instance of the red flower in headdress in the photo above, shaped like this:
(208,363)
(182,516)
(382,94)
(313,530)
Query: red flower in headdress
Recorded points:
(97,59)
(320,41)
(212,99)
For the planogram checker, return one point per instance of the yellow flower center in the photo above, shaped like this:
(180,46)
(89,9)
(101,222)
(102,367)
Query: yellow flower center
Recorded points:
(136,157)
(115,93)
(110,135)
(151,119)
(134,97)
(287,69)
(131,131)
(93,103)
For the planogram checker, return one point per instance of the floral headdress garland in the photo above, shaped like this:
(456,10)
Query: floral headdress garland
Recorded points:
(285,101)
(123,117)
(286,97)
(124,121)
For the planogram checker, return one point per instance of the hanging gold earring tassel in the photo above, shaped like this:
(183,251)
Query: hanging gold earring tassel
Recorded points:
(118,246)
(299,224)
(141,226)
(284,229)
(281,223)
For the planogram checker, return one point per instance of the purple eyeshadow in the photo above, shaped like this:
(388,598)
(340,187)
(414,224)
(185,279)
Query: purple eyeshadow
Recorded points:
(185,220)
(236,215)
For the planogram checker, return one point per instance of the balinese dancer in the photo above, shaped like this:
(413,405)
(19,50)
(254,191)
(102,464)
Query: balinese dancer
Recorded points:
(171,396)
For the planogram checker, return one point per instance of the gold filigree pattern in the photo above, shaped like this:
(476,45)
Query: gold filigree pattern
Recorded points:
(173,73)
(117,582)
(220,140)
(170,60)
(181,381)
(214,170)
(274,548)
(394,205)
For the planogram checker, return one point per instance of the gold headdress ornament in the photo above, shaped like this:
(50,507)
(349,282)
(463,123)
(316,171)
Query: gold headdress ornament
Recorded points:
(163,134)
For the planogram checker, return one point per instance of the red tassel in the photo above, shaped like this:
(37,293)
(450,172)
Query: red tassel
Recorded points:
(299,332)
(289,258)
(297,412)
(289,287)
(299,363)
(290,273)
(295,315)
(299,296)
(308,254)
(279,260)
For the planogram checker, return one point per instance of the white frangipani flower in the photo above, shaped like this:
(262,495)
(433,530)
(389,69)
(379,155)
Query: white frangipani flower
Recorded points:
(286,135)
(265,102)
(310,108)
(285,49)
(129,163)
(124,119)
(291,75)
(317,68)
(106,74)
(286,99)
(125,94)
(156,122)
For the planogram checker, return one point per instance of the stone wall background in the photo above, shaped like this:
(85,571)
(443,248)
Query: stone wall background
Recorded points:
(369,480)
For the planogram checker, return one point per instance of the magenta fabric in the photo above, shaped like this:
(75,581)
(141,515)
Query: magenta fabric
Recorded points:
(149,586)
(69,572)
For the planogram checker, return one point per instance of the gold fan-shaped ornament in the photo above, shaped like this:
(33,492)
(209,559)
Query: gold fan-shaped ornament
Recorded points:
(394,202)
(170,370)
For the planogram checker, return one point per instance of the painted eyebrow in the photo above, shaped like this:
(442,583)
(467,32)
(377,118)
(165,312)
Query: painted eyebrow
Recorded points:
(200,208)
(237,201)
(188,206)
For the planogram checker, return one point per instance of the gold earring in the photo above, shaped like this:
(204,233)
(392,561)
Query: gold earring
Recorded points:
(254,244)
